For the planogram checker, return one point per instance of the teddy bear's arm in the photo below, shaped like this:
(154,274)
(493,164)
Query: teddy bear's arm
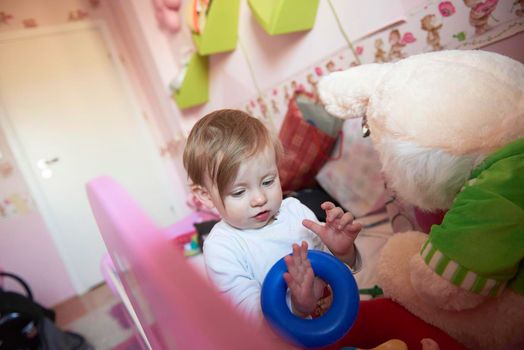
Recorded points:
(479,247)
(345,94)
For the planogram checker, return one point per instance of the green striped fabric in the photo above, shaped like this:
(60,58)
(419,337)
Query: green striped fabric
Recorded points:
(457,274)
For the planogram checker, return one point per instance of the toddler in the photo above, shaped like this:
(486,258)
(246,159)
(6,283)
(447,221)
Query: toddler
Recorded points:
(231,159)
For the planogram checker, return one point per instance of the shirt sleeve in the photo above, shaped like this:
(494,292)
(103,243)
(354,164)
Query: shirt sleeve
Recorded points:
(231,275)
(479,246)
(357,266)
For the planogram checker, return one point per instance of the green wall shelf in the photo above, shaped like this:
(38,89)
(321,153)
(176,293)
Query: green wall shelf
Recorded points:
(221,29)
(284,16)
(195,87)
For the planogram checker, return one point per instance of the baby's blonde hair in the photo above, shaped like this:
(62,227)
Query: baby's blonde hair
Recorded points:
(220,141)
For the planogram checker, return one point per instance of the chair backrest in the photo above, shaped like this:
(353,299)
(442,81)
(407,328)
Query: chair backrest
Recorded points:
(175,305)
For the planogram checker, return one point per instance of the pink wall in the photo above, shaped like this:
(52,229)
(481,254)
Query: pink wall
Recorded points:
(26,246)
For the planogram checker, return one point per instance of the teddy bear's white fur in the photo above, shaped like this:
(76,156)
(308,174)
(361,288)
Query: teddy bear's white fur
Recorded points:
(433,118)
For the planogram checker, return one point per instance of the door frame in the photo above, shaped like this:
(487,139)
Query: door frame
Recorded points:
(24,163)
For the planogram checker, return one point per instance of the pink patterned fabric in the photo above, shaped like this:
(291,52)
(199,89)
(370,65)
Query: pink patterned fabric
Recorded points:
(355,180)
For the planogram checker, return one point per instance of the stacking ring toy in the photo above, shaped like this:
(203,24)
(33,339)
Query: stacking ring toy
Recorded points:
(326,329)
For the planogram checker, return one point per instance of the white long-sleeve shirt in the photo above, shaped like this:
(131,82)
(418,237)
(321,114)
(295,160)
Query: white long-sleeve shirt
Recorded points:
(237,261)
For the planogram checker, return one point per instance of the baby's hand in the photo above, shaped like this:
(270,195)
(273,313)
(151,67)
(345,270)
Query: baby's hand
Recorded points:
(339,232)
(305,289)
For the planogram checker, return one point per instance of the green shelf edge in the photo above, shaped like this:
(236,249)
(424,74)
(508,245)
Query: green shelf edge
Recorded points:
(221,29)
(195,88)
(286,16)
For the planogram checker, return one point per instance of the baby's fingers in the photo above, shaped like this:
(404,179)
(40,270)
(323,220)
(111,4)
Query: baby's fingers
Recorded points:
(333,214)
(297,255)
(290,263)
(303,252)
(289,280)
(327,205)
(309,278)
(313,226)
(353,228)
(347,218)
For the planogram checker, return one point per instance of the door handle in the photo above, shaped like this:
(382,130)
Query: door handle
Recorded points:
(44,163)
(52,160)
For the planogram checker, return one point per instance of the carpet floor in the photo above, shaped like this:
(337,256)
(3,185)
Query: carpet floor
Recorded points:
(106,328)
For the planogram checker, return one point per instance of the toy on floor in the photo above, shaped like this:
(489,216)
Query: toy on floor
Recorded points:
(449,129)
(325,329)
(188,243)
(395,344)
(373,292)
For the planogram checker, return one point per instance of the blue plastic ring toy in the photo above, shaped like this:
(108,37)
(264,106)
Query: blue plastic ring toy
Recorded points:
(328,328)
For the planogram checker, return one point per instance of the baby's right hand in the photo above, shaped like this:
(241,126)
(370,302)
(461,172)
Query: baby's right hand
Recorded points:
(305,289)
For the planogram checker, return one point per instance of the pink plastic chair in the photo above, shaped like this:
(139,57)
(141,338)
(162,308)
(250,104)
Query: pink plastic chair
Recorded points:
(176,307)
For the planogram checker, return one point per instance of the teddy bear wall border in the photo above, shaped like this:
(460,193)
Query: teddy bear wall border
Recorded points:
(432,25)
(15,200)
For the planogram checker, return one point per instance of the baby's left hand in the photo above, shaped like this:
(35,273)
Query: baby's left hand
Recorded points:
(338,233)
(305,288)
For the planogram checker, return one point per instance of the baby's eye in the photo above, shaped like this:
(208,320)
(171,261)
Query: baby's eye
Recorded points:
(268,182)
(237,193)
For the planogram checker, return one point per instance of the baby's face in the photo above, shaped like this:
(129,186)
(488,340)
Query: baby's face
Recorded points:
(255,196)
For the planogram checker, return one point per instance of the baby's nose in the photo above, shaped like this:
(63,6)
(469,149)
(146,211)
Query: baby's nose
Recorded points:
(259,198)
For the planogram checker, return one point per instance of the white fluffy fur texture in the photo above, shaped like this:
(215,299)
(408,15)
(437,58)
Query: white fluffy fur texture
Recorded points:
(346,93)
(496,324)
(459,101)
(434,176)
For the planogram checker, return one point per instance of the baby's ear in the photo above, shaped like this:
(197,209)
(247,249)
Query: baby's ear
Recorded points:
(203,195)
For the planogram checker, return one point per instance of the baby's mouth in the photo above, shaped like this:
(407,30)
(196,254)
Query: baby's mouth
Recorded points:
(262,216)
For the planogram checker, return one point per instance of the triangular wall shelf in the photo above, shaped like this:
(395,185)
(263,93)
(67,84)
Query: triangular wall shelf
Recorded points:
(284,16)
(221,28)
(195,87)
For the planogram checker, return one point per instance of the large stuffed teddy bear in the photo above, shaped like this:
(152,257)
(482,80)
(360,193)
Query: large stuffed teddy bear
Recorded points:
(449,129)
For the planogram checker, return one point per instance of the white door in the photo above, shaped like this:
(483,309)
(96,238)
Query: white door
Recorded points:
(70,117)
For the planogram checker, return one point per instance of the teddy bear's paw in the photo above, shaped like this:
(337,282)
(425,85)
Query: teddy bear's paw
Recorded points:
(338,103)
(439,292)
(346,94)
(393,264)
